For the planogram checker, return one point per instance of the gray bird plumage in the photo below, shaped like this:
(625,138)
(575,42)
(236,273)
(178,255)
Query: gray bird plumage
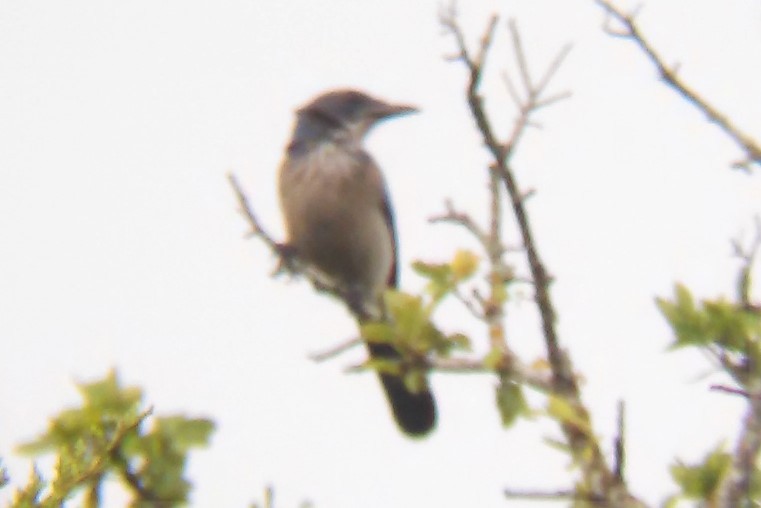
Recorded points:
(338,218)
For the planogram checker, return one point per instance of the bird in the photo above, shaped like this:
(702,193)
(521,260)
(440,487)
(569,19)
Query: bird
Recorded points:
(338,218)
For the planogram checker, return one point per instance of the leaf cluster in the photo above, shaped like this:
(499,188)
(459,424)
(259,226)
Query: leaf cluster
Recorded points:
(104,440)
(730,330)
(409,325)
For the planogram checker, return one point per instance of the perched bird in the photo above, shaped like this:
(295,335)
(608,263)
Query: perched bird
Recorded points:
(339,219)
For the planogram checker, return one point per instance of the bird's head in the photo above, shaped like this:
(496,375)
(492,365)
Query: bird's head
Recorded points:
(351,112)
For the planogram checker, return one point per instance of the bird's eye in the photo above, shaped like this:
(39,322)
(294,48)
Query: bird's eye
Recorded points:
(355,102)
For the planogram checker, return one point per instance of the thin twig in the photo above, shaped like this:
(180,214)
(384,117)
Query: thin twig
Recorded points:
(748,256)
(533,91)
(731,390)
(326,354)
(557,495)
(630,30)
(539,495)
(248,213)
(520,56)
(469,304)
(475,66)
(515,371)
(452,216)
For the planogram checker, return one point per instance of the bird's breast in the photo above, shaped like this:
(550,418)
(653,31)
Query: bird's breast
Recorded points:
(332,201)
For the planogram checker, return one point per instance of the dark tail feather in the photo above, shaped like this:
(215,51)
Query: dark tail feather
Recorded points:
(415,413)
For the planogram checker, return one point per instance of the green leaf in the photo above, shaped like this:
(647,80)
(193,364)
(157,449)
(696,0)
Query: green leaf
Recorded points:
(185,432)
(440,278)
(384,366)
(460,341)
(493,359)
(415,380)
(713,322)
(566,413)
(377,333)
(433,271)
(732,326)
(688,323)
(701,481)
(408,315)
(107,396)
(510,402)
(29,495)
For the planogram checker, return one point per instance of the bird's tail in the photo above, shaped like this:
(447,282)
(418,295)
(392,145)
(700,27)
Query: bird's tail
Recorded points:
(414,412)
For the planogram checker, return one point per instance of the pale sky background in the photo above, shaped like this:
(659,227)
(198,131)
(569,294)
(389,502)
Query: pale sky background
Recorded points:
(121,245)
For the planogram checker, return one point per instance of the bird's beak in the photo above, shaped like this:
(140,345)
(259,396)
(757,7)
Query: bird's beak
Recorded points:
(383,110)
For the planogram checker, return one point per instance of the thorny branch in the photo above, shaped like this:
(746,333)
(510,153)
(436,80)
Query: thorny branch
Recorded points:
(628,29)
(599,480)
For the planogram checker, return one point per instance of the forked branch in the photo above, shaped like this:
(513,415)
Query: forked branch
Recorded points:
(599,481)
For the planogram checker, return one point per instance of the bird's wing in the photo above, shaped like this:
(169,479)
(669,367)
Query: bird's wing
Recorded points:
(388,214)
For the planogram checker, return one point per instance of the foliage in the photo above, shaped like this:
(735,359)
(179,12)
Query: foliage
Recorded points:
(720,323)
(410,328)
(103,440)
(729,332)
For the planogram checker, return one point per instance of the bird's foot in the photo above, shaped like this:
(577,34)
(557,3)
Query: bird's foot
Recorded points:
(287,258)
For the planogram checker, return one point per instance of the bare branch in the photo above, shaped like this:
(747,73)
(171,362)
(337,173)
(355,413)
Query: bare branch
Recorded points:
(552,99)
(534,92)
(628,29)
(452,216)
(520,56)
(552,69)
(511,90)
